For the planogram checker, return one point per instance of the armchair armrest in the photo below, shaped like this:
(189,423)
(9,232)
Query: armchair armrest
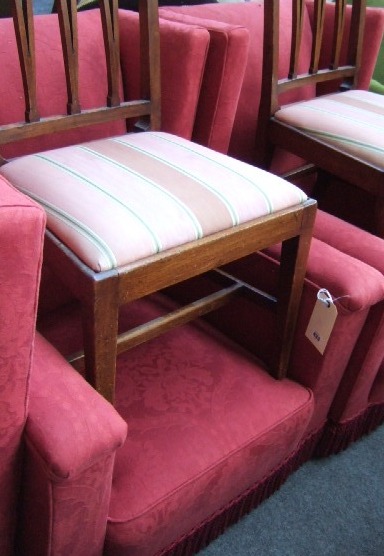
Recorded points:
(71,437)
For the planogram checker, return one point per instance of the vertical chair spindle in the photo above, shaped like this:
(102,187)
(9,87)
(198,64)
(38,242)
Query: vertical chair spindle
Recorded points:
(317,36)
(297,31)
(25,38)
(338,32)
(109,19)
(69,39)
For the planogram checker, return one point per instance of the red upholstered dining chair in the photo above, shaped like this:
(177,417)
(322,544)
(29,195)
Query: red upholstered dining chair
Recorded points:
(340,133)
(132,214)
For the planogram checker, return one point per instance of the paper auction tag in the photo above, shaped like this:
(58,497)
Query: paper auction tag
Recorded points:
(322,320)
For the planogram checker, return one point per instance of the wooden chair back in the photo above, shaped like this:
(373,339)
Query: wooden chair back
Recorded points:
(343,71)
(146,110)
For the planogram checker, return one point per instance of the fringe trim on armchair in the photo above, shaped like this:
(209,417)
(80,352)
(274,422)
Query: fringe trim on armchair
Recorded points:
(338,436)
(217,523)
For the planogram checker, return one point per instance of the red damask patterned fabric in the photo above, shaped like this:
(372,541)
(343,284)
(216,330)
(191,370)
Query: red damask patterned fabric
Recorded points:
(21,236)
(206,422)
(71,436)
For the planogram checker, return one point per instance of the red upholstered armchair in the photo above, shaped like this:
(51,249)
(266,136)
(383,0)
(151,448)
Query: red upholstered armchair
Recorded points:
(200,411)
(58,436)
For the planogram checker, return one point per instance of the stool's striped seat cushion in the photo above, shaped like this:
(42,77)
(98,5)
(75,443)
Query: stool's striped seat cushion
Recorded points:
(352,121)
(118,200)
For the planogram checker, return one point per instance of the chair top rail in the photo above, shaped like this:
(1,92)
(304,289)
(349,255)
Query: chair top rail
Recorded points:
(322,75)
(147,106)
(54,124)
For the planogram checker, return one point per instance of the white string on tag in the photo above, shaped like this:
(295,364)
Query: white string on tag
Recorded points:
(324,296)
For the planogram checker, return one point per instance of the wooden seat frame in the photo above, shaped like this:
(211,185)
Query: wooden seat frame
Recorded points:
(273,133)
(102,293)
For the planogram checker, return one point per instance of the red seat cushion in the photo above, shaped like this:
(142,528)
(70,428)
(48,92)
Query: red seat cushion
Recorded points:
(205,423)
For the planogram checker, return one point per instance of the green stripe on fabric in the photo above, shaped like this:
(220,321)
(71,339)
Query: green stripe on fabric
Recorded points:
(233,214)
(342,116)
(184,207)
(262,193)
(78,226)
(342,139)
(157,246)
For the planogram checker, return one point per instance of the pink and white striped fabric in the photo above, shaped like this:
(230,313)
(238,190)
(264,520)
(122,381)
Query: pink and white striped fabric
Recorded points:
(119,200)
(352,121)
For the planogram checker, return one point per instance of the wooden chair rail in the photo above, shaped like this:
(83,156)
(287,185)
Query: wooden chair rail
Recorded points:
(369,177)
(176,265)
(320,76)
(180,316)
(53,124)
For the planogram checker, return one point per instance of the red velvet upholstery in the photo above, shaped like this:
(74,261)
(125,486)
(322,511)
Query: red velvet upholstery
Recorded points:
(358,406)
(166,388)
(222,79)
(201,412)
(181,82)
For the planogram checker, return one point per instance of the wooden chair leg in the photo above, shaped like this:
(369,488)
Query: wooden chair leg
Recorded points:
(321,185)
(291,279)
(379,217)
(100,329)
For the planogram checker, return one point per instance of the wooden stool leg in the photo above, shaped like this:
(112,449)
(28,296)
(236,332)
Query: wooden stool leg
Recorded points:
(100,329)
